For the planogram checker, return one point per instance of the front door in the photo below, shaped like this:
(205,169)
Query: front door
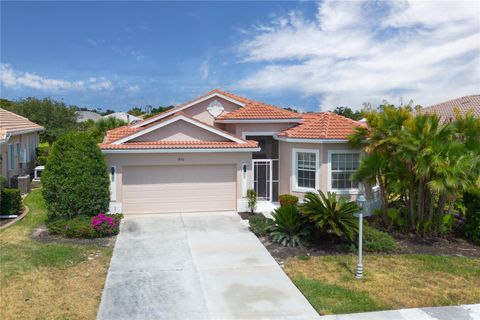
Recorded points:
(262,178)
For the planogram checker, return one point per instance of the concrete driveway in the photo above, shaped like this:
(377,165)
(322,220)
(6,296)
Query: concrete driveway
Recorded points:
(196,266)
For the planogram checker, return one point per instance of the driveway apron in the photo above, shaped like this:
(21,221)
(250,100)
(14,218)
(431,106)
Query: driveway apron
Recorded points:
(196,266)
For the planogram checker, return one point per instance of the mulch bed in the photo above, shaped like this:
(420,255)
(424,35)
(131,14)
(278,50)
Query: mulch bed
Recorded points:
(408,244)
(41,234)
(246,215)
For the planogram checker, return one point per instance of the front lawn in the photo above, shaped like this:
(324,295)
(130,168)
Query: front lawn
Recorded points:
(48,280)
(390,281)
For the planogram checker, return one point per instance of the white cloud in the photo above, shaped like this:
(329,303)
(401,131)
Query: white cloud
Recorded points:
(133,88)
(354,52)
(204,70)
(11,78)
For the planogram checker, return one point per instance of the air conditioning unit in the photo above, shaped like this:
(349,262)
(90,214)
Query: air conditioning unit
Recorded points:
(23,156)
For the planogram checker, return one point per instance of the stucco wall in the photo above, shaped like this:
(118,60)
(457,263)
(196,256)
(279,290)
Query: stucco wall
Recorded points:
(122,160)
(286,167)
(180,130)
(24,168)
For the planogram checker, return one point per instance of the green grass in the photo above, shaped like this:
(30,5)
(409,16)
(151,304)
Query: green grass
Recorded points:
(58,280)
(390,282)
(333,299)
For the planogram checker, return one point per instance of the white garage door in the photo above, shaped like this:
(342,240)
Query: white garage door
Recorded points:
(163,189)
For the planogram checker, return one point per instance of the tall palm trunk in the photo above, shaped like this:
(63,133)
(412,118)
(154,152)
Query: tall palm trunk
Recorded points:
(421,200)
(440,210)
(431,206)
(411,204)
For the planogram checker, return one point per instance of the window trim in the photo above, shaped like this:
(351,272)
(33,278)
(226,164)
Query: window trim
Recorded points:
(295,186)
(352,191)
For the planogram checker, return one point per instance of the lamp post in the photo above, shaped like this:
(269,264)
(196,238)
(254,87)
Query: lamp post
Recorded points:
(360,203)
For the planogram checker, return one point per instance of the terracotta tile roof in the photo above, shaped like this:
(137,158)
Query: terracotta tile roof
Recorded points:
(13,123)
(122,132)
(322,125)
(200,144)
(259,110)
(446,110)
(252,109)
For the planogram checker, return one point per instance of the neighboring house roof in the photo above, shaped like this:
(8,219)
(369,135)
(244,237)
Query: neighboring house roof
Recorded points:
(12,124)
(83,116)
(120,138)
(124,116)
(446,110)
(322,125)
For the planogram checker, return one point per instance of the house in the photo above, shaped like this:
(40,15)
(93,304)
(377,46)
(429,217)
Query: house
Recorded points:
(18,143)
(204,154)
(128,118)
(447,110)
(83,116)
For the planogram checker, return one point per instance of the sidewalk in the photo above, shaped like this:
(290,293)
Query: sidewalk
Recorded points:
(463,312)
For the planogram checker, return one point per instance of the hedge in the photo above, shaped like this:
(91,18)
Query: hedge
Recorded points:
(11,201)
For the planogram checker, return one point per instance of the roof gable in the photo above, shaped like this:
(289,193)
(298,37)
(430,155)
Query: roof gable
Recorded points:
(132,132)
(248,109)
(212,94)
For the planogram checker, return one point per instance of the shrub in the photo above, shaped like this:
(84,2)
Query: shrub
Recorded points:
(84,226)
(377,241)
(287,200)
(472,217)
(259,224)
(11,201)
(75,180)
(3,182)
(290,228)
(330,214)
(43,152)
(252,200)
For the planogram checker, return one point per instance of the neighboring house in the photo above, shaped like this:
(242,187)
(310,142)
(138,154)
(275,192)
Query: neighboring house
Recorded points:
(83,116)
(18,143)
(447,110)
(204,154)
(128,118)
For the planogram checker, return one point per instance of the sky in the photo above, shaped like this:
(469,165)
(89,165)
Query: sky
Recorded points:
(312,56)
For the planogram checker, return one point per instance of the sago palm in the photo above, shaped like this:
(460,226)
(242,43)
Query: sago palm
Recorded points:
(330,214)
(290,228)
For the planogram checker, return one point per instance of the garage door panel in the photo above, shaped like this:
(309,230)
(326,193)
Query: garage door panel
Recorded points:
(163,189)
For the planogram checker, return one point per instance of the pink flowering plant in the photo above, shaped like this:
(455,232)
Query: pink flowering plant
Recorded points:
(105,225)
(83,226)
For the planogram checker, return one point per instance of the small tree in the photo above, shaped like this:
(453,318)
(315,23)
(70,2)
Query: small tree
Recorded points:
(75,180)
(252,200)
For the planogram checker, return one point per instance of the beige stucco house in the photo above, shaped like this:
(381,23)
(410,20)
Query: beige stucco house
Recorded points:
(204,154)
(18,143)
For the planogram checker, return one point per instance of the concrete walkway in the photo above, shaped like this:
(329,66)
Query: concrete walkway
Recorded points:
(464,312)
(196,266)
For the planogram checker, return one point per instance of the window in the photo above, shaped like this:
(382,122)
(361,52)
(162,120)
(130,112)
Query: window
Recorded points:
(305,169)
(342,165)
(13,154)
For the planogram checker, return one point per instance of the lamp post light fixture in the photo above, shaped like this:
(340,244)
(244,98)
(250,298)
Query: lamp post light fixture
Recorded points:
(360,203)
